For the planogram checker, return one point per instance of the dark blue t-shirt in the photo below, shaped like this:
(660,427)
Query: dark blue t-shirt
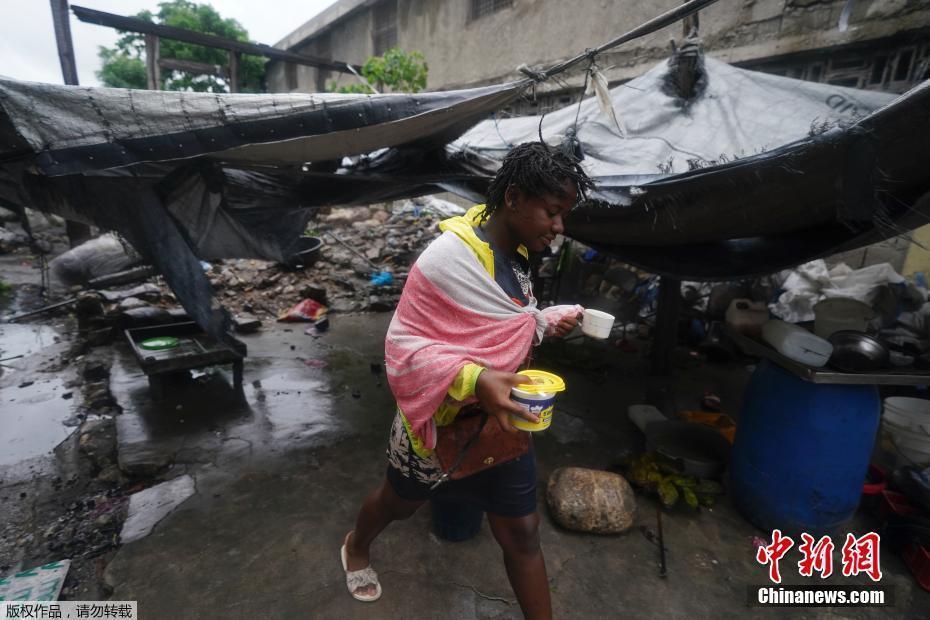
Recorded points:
(508,273)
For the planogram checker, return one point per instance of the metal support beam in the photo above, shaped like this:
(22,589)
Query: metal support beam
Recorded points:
(134,24)
(77,232)
(152,71)
(62,23)
(234,59)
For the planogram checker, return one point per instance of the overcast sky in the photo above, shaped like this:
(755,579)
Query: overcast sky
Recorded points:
(27,39)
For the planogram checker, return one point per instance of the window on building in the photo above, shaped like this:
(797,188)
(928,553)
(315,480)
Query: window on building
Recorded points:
(902,68)
(887,67)
(384,26)
(849,82)
(848,63)
(480,8)
(877,75)
(922,70)
(290,75)
(815,73)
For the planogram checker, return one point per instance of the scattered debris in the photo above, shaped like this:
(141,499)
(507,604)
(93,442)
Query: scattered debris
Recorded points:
(306,310)
(42,583)
(246,323)
(148,507)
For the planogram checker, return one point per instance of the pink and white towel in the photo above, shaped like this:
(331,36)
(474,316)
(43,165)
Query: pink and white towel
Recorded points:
(452,313)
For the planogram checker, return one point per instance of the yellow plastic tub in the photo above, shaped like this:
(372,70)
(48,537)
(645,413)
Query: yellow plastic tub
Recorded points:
(538,397)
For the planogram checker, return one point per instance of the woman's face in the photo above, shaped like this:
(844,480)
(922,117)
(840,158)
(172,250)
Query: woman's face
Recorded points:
(536,220)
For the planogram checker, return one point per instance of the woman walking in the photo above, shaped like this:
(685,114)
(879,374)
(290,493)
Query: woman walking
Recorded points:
(466,321)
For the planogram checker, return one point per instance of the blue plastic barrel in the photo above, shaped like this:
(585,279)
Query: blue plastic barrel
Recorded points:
(455,520)
(801,451)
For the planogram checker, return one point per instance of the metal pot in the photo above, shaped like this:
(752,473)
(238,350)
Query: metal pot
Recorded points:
(697,449)
(857,352)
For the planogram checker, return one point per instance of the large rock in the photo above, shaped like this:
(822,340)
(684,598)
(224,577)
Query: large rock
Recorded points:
(589,500)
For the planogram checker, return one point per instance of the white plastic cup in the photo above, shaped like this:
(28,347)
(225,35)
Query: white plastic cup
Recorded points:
(597,324)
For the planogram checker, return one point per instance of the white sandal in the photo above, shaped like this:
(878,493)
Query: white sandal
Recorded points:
(360,578)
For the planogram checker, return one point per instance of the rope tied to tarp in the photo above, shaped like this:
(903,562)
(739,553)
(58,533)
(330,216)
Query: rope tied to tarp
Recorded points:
(656,23)
(536,76)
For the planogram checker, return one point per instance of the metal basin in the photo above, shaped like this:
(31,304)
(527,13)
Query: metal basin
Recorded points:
(305,252)
(857,352)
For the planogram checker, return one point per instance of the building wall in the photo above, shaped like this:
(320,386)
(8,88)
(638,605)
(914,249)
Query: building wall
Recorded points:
(793,37)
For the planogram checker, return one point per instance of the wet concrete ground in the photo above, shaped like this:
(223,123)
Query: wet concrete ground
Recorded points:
(279,474)
(33,404)
(280,478)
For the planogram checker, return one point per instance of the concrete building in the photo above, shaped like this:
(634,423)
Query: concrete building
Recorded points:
(876,44)
(872,44)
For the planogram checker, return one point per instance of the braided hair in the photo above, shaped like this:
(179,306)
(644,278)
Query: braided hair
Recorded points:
(536,170)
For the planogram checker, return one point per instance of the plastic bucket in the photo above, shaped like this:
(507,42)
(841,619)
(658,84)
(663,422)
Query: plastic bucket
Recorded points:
(455,521)
(841,313)
(908,413)
(597,324)
(538,397)
(914,446)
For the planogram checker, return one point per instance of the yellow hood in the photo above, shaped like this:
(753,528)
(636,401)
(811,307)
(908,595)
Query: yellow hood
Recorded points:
(464,227)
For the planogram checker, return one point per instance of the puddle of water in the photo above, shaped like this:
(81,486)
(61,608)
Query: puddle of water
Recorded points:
(25,339)
(297,406)
(286,405)
(31,419)
(30,416)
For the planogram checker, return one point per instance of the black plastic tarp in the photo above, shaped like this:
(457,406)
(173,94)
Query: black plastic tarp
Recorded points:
(187,176)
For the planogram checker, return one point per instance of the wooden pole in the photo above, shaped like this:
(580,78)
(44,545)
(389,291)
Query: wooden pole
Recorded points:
(152,70)
(687,57)
(234,59)
(77,232)
(691,24)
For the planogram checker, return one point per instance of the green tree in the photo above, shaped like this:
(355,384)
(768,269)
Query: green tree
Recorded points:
(402,72)
(124,65)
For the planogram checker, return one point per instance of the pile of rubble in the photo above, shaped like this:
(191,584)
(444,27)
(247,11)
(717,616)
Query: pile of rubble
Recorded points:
(358,242)
(362,264)
(48,233)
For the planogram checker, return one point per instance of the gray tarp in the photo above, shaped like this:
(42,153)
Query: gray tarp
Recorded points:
(756,173)
(753,174)
(736,113)
(72,129)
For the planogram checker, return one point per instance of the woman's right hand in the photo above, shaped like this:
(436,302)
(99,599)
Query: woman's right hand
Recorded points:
(493,392)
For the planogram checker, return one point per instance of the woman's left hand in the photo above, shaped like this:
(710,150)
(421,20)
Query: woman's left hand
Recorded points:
(566,325)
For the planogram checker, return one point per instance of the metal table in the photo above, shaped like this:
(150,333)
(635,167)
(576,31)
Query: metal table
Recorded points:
(195,350)
(826,375)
